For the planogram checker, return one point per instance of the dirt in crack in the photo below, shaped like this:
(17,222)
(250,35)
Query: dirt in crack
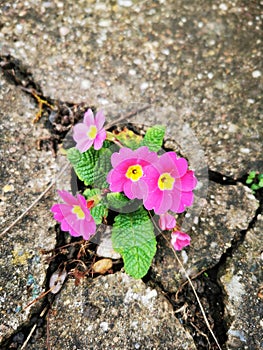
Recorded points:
(189,314)
(59,116)
(187,309)
(211,296)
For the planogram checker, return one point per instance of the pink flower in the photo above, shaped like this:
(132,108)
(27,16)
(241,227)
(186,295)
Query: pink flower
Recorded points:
(90,132)
(179,240)
(170,184)
(74,215)
(167,221)
(127,174)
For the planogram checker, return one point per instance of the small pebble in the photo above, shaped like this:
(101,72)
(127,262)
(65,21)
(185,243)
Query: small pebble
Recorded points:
(8,188)
(223,7)
(245,150)
(63,31)
(102,266)
(144,86)
(165,52)
(19,28)
(256,74)
(125,3)
(132,72)
(104,326)
(85,84)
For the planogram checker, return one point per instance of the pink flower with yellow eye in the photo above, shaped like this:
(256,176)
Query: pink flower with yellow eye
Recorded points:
(179,240)
(74,215)
(90,132)
(127,174)
(170,184)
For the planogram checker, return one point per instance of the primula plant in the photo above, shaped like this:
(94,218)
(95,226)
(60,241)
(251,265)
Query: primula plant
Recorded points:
(130,180)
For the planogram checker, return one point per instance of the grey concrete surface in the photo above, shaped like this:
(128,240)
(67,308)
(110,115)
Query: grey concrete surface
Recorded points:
(204,59)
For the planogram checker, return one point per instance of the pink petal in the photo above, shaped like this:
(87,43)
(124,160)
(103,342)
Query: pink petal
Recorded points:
(89,118)
(57,212)
(80,131)
(84,145)
(73,232)
(180,165)
(99,120)
(176,201)
(167,221)
(139,189)
(82,202)
(89,229)
(186,200)
(157,201)
(80,136)
(179,240)
(128,190)
(67,197)
(165,163)
(144,154)
(151,177)
(118,157)
(65,226)
(116,181)
(98,142)
(164,205)
(187,182)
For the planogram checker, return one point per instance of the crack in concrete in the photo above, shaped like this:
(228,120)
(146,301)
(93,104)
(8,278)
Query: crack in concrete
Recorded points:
(235,244)
(221,179)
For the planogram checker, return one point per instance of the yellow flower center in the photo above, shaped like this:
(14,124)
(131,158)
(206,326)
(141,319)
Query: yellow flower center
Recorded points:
(78,211)
(166,182)
(92,133)
(134,172)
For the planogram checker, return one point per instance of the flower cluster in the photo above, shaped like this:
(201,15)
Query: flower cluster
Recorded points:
(163,183)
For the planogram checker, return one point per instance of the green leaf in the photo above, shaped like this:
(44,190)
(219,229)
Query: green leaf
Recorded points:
(133,237)
(73,155)
(102,168)
(252,174)
(249,181)
(153,138)
(100,210)
(91,193)
(260,184)
(84,165)
(91,166)
(117,200)
(254,187)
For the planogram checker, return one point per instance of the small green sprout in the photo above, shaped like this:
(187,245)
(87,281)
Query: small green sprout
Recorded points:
(255,181)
